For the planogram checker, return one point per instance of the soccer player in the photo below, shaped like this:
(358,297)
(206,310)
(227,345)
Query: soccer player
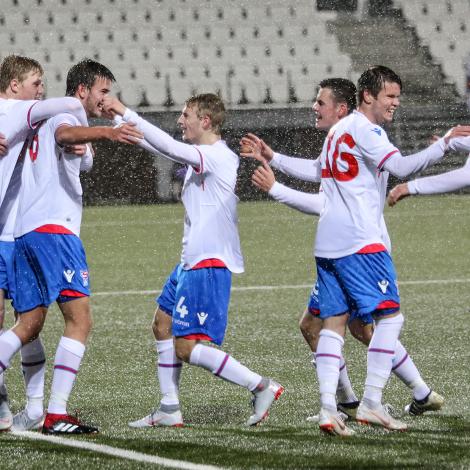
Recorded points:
(193,305)
(336,98)
(437,184)
(50,263)
(355,271)
(21,86)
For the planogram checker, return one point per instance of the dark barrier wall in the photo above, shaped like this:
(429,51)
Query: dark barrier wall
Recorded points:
(129,175)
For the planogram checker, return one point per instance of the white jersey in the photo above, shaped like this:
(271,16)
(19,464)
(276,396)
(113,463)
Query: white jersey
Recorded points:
(15,126)
(211,220)
(51,192)
(354,184)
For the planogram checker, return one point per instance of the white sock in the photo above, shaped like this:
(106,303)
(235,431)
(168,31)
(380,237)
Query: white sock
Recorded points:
(66,364)
(10,344)
(379,358)
(344,392)
(3,389)
(33,363)
(404,368)
(328,357)
(168,372)
(225,366)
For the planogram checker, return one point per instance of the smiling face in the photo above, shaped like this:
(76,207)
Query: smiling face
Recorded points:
(31,87)
(382,108)
(191,124)
(327,111)
(92,98)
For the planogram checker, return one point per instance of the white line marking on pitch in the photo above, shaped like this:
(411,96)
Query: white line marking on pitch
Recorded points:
(287,286)
(115,451)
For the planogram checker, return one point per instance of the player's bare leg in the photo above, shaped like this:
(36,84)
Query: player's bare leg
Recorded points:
(169,368)
(69,354)
(265,391)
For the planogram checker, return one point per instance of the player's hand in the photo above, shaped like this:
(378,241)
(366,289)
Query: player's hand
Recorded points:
(77,149)
(112,106)
(126,134)
(263,177)
(400,191)
(251,146)
(457,131)
(3,145)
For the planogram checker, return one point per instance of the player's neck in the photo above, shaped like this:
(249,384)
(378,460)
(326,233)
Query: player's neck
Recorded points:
(369,115)
(208,139)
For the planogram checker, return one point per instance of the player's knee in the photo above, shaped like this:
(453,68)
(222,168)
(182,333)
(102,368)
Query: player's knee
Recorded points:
(161,325)
(183,350)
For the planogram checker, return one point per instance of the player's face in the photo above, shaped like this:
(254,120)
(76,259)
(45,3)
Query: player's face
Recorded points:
(326,109)
(93,97)
(191,125)
(384,106)
(32,87)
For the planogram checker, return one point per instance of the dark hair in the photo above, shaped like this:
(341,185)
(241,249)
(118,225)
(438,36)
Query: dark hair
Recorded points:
(210,105)
(85,73)
(16,67)
(373,80)
(343,90)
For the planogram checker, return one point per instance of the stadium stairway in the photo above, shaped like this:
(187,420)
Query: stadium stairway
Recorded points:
(429,103)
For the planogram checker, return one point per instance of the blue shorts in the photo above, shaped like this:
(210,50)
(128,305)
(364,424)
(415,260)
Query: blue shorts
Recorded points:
(313,306)
(197,301)
(362,284)
(7,273)
(49,267)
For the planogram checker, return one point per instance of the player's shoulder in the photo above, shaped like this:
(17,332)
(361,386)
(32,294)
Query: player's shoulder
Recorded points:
(11,105)
(219,150)
(367,127)
(62,119)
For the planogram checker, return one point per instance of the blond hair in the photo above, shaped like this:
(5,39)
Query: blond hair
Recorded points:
(16,67)
(210,105)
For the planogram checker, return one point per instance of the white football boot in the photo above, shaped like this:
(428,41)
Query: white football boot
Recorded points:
(262,401)
(379,417)
(331,423)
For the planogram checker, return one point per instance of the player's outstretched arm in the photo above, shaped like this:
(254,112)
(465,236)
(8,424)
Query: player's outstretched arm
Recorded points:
(301,168)
(264,179)
(72,135)
(47,108)
(437,184)
(405,166)
(155,140)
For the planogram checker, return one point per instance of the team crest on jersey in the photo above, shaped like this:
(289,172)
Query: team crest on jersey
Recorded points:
(383,284)
(84,276)
(377,130)
(202,317)
(68,274)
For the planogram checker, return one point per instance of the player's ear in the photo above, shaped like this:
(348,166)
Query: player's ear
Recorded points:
(82,90)
(367,97)
(206,122)
(342,110)
(14,85)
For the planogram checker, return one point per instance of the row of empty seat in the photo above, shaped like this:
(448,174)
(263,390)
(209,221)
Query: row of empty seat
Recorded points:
(444,26)
(162,51)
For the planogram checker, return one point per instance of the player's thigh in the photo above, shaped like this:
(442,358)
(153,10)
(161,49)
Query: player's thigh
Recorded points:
(370,282)
(361,329)
(202,300)
(332,299)
(166,301)
(77,312)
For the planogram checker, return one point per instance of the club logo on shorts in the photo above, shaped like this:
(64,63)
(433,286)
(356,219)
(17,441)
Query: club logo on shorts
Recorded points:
(202,317)
(383,284)
(68,274)
(84,276)
(314,290)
